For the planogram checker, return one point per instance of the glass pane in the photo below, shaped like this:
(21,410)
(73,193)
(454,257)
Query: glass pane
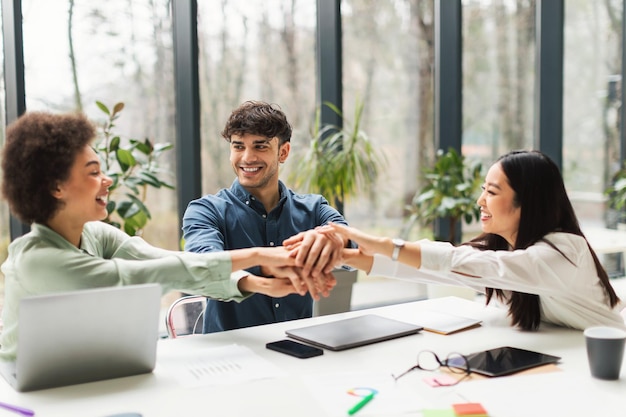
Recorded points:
(253,50)
(498,77)
(118,51)
(498,80)
(388,68)
(591,104)
(387,65)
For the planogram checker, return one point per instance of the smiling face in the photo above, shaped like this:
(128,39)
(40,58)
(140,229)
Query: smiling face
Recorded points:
(255,160)
(84,193)
(499,212)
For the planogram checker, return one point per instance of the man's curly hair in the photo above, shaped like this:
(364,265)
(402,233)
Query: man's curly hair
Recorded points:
(258,118)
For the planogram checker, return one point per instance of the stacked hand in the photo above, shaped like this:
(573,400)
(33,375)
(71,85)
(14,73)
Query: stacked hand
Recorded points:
(304,264)
(316,255)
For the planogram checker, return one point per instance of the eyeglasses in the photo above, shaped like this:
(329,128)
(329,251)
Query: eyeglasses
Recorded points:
(428,360)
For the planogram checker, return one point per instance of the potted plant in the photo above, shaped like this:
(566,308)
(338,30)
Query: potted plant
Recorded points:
(451,188)
(133,168)
(339,163)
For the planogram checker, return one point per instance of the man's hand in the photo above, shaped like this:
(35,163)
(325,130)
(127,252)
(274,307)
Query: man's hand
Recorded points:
(317,253)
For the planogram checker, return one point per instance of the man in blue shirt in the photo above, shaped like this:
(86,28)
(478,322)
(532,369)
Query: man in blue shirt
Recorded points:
(259,210)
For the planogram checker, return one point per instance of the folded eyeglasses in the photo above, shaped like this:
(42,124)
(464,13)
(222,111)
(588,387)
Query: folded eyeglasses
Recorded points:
(428,360)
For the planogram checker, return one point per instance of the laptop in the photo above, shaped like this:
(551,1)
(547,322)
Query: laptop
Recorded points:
(353,332)
(87,335)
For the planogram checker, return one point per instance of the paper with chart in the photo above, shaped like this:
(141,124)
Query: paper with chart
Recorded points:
(229,364)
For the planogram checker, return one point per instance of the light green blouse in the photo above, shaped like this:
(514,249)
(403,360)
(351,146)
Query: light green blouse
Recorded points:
(42,261)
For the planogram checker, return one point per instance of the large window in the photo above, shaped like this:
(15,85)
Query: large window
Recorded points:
(387,65)
(593,32)
(253,50)
(77,53)
(498,77)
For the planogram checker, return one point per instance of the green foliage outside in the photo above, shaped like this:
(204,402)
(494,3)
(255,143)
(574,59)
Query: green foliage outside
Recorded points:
(616,192)
(134,167)
(451,190)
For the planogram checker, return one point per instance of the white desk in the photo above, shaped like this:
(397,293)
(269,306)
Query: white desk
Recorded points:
(570,392)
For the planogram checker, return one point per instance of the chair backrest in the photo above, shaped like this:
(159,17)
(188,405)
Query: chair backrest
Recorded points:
(184,316)
(340,298)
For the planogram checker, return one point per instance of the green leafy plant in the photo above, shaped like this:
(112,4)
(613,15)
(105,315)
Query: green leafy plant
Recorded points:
(339,162)
(451,188)
(616,193)
(134,167)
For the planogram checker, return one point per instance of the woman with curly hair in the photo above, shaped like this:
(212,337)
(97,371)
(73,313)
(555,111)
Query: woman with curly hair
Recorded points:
(53,181)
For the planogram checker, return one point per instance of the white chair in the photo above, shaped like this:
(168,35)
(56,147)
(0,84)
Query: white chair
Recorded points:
(184,316)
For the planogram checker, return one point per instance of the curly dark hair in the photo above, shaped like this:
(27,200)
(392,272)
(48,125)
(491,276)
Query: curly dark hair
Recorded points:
(258,118)
(39,152)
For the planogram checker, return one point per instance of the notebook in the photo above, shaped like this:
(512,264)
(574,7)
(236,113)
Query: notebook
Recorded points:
(353,332)
(82,336)
(444,323)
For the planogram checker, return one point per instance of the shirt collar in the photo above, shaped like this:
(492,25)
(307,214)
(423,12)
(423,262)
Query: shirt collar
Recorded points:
(244,195)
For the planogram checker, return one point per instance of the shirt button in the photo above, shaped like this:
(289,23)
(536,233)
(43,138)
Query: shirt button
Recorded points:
(276,305)
(271,243)
(247,202)
(265,216)
(252,198)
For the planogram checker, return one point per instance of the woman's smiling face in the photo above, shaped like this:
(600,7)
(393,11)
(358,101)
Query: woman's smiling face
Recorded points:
(499,210)
(84,194)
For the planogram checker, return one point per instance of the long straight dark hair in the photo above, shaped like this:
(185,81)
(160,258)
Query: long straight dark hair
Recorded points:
(545,208)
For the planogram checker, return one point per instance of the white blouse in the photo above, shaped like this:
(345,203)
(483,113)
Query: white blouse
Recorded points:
(570,293)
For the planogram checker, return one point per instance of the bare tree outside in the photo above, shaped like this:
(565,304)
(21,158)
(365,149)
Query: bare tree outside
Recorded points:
(78,103)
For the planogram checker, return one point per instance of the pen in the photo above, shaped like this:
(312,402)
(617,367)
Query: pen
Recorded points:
(361,404)
(17,409)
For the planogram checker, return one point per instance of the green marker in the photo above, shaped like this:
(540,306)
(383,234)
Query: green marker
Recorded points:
(360,404)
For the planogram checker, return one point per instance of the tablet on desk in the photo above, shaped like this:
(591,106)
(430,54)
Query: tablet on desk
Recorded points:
(506,360)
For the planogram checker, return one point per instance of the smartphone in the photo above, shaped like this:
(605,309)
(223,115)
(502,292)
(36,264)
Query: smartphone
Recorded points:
(293,348)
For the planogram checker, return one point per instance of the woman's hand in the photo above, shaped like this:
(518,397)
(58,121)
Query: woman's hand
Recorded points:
(368,244)
(288,282)
(321,286)
(272,287)
(316,253)
(281,263)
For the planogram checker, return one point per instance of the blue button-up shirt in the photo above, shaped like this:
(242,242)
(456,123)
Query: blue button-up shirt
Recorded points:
(234,219)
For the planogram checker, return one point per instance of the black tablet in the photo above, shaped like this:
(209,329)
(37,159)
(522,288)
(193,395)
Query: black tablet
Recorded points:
(505,360)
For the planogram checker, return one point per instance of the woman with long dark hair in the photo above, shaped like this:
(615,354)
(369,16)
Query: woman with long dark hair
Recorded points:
(532,254)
